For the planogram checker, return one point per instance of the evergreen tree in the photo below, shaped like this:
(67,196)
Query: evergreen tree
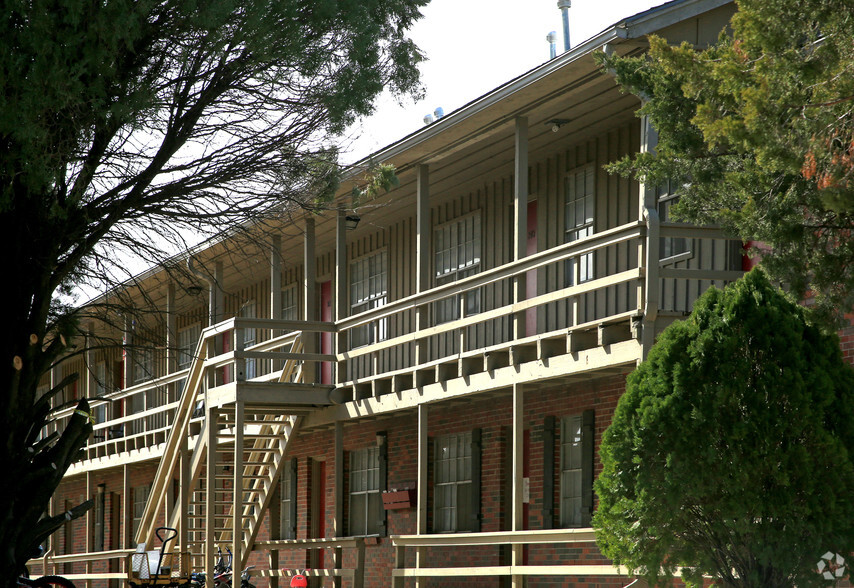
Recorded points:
(758,131)
(730,453)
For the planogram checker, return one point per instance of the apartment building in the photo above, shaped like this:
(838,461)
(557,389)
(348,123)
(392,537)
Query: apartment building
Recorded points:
(408,390)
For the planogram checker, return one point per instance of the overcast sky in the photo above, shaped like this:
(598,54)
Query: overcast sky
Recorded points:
(473,46)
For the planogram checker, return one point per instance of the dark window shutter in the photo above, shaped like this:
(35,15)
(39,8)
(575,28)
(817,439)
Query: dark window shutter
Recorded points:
(476,515)
(548,472)
(292,505)
(383,483)
(587,442)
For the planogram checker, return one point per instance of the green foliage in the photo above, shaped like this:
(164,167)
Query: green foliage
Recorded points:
(380,177)
(729,453)
(129,124)
(759,129)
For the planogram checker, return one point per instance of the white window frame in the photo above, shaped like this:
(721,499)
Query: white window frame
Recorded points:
(671,249)
(457,254)
(143,366)
(571,463)
(368,290)
(290,303)
(452,483)
(250,337)
(365,498)
(188,339)
(579,187)
(140,498)
(286,481)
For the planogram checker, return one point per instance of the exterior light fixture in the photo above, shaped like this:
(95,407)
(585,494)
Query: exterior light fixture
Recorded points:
(381,438)
(557,123)
(351,221)
(194,289)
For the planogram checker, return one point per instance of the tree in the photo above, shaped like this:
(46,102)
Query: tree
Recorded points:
(124,125)
(730,453)
(759,132)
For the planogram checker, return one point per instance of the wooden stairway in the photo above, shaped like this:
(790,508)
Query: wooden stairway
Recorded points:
(239,446)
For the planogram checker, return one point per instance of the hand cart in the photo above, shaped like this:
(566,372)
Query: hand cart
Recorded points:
(147,569)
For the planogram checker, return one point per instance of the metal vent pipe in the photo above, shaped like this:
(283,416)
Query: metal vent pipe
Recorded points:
(552,39)
(564,9)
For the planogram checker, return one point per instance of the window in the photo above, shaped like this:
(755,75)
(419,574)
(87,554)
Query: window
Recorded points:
(98,519)
(290,304)
(143,367)
(288,507)
(576,470)
(456,491)
(140,497)
(188,339)
(669,247)
(250,338)
(368,289)
(99,374)
(458,256)
(579,190)
(366,510)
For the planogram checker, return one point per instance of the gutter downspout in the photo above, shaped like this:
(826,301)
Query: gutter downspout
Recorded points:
(212,306)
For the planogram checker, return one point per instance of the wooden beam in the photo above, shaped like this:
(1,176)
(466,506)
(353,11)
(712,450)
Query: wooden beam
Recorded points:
(421,496)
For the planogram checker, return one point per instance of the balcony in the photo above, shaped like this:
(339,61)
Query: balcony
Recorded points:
(569,329)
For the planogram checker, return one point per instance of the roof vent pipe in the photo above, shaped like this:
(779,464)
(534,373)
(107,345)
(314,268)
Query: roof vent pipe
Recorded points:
(564,9)
(552,39)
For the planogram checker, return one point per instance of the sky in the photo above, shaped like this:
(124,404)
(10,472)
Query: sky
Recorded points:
(473,46)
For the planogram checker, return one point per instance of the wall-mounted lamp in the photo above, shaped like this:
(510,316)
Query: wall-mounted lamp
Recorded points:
(351,221)
(557,123)
(381,438)
(194,289)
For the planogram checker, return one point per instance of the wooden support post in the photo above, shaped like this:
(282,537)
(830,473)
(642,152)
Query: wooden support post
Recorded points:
(648,250)
(342,308)
(218,308)
(126,509)
(423,255)
(184,481)
(210,492)
(127,356)
(90,526)
(517,468)
(310,297)
(421,521)
(359,573)
(275,292)
(171,338)
(237,490)
(338,523)
(520,217)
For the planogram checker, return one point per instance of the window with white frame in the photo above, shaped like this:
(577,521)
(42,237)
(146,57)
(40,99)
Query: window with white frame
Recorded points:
(99,374)
(290,304)
(365,499)
(570,471)
(579,193)
(368,289)
(250,338)
(288,495)
(458,254)
(188,339)
(670,248)
(140,497)
(452,483)
(143,367)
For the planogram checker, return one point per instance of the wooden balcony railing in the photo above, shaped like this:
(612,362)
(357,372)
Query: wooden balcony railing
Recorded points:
(514,539)
(145,431)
